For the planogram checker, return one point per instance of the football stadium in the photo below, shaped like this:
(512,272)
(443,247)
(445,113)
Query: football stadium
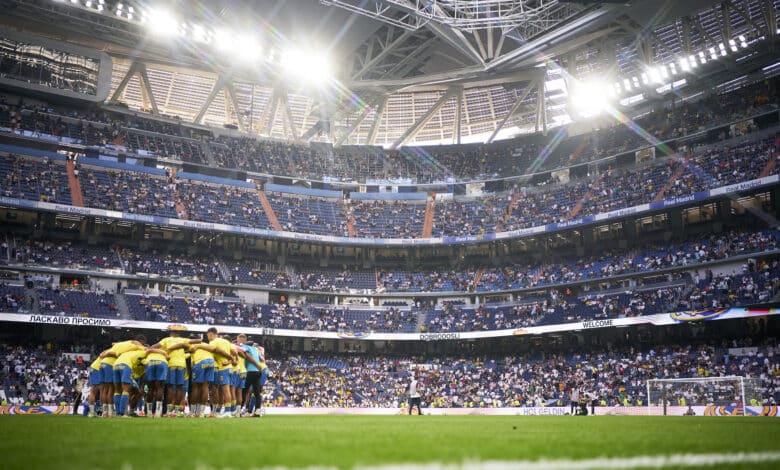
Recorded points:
(389,234)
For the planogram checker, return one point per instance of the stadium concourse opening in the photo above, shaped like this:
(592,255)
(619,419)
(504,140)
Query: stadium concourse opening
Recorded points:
(368,234)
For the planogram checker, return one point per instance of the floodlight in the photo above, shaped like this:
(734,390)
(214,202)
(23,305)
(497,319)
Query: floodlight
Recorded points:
(306,66)
(692,61)
(645,79)
(684,65)
(200,34)
(702,57)
(223,40)
(722,48)
(655,75)
(588,98)
(162,22)
(733,45)
(247,48)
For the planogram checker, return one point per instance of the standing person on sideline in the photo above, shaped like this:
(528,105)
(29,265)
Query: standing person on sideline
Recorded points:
(413,391)
(78,387)
(574,399)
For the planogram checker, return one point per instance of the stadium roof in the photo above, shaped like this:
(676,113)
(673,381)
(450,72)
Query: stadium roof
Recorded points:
(403,71)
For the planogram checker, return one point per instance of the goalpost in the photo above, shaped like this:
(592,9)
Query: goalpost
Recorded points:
(701,391)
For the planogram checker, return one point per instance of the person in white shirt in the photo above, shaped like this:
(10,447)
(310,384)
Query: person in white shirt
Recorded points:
(414,395)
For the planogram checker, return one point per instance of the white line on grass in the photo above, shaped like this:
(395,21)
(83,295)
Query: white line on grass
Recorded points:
(646,461)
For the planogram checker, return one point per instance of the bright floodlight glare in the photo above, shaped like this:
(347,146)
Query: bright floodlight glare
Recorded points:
(310,67)
(247,48)
(162,22)
(588,98)
(655,75)
(223,40)
(199,33)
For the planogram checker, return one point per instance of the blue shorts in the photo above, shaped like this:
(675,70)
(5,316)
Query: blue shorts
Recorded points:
(96,377)
(203,372)
(233,378)
(156,371)
(222,377)
(123,374)
(107,373)
(242,380)
(176,376)
(263,377)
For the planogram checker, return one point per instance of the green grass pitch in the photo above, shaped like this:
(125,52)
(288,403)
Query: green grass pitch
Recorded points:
(75,442)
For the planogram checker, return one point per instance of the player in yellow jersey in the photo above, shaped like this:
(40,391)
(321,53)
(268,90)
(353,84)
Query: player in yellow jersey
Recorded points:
(110,392)
(177,348)
(224,357)
(155,375)
(95,384)
(128,368)
(202,360)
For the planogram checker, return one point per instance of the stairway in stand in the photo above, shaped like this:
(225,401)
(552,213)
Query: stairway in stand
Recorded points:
(677,173)
(428,220)
(269,211)
(76,196)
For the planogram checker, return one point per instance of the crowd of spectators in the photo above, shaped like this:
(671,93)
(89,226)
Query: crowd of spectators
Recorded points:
(609,376)
(62,254)
(127,191)
(612,376)
(389,320)
(705,167)
(34,179)
(172,265)
(37,376)
(387,219)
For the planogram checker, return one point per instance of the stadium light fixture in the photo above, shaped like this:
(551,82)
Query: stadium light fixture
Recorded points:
(692,61)
(223,40)
(684,66)
(713,54)
(201,34)
(733,45)
(308,67)
(722,48)
(163,23)
(247,48)
(588,98)
(655,74)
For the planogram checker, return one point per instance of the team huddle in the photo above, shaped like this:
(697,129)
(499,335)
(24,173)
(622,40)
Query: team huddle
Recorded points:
(216,376)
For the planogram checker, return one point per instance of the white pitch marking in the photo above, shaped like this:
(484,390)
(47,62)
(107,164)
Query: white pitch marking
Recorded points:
(647,461)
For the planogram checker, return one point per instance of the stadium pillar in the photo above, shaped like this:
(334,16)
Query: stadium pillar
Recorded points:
(724,211)
(775,199)
(675,220)
(629,229)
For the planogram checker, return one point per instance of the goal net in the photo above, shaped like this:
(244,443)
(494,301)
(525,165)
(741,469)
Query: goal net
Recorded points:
(724,393)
